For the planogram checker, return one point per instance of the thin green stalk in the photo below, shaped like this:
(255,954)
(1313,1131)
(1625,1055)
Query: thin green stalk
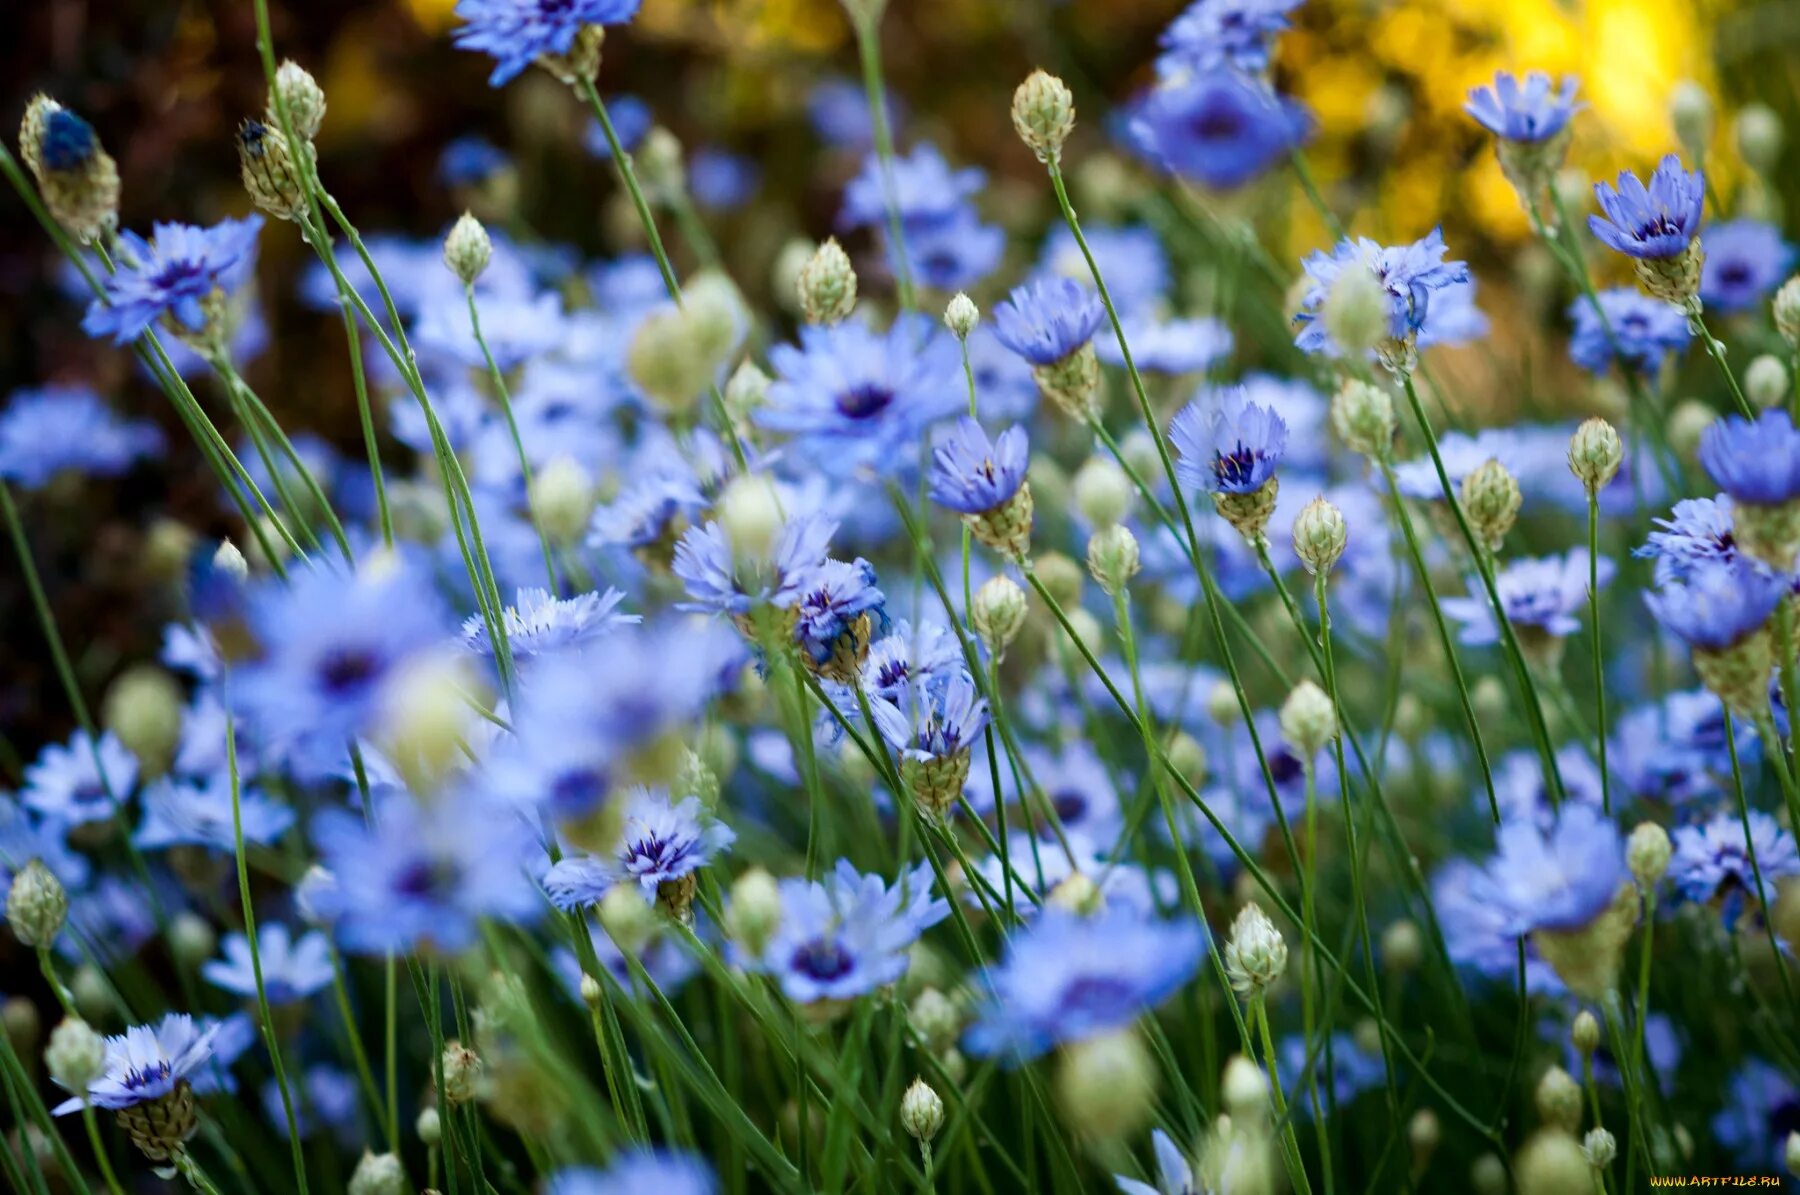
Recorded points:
(504,395)
(1773,745)
(1593,503)
(366,419)
(1296,1165)
(865,22)
(1715,348)
(92,1125)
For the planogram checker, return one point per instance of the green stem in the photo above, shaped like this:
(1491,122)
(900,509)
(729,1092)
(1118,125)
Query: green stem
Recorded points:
(504,395)
(865,21)
(1593,498)
(91,1123)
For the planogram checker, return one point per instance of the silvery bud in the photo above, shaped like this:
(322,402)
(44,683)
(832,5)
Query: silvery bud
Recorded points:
(1244,1091)
(191,939)
(78,179)
(229,561)
(143,708)
(1585,1033)
(750,514)
(562,498)
(935,1018)
(1103,493)
(271,171)
(467,249)
(462,1069)
(303,98)
(1600,1148)
(629,919)
(1356,311)
(746,391)
(1691,112)
(1491,499)
(1319,535)
(961,315)
(429,1127)
(1759,136)
(827,284)
(921,1111)
(1552,1164)
(1043,114)
(378,1174)
(1787,311)
(1647,853)
(1112,556)
(755,910)
(997,612)
(1222,704)
(1106,1085)
(1766,381)
(1363,415)
(1308,720)
(36,905)
(1423,1134)
(1402,946)
(76,1055)
(1595,454)
(1558,1099)
(1255,954)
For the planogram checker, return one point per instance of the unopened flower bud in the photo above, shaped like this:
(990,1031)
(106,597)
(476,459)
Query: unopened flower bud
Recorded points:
(1791,1152)
(1106,1085)
(935,1018)
(76,176)
(1687,423)
(1647,853)
(428,1127)
(1356,311)
(1402,946)
(1043,114)
(592,991)
(21,1023)
(378,1174)
(629,919)
(746,391)
(1585,1033)
(961,315)
(1487,697)
(271,170)
(562,498)
(229,561)
(467,249)
(191,939)
(1766,381)
(660,166)
(1595,454)
(1188,758)
(1103,493)
(1786,307)
(302,97)
(921,1111)
(1423,1134)
(1691,112)
(76,1055)
(36,905)
(1491,499)
(1244,1091)
(1061,579)
(1363,415)
(93,993)
(1558,1099)
(1255,954)
(1112,557)
(1487,1175)
(827,284)
(1222,704)
(1077,893)
(755,910)
(1600,1148)
(1308,720)
(666,360)
(1319,535)
(750,514)
(1552,1164)
(143,708)
(997,612)
(1759,136)
(462,1070)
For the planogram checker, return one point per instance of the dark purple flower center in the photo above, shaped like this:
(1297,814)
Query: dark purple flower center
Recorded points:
(1659,225)
(179,275)
(652,854)
(1285,767)
(1070,804)
(864,400)
(823,959)
(1235,467)
(88,792)
(577,790)
(1217,124)
(424,878)
(1097,993)
(67,142)
(137,1078)
(1784,1118)
(1736,274)
(251,136)
(346,670)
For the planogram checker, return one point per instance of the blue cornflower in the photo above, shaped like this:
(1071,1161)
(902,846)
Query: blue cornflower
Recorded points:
(198,813)
(1560,878)
(328,1099)
(1227,446)
(636,1172)
(66,783)
(331,641)
(1065,977)
(831,603)
(415,877)
(1478,927)
(926,191)
(1745,260)
(519,32)
(1698,531)
(1543,593)
(954,253)
(717,582)
(1214,33)
(632,121)
(926,654)
(1220,128)
(1353,1070)
(43,432)
(1130,257)
(933,721)
(859,399)
(1409,273)
(1530,113)
(1716,606)
(25,836)
(848,935)
(662,842)
(721,180)
(1653,223)
(1048,320)
(1644,330)
(1712,860)
(1077,786)
(838,110)
(972,476)
(517,328)
(1173,1174)
(67,142)
(292,969)
(469,160)
(147,1062)
(1674,750)
(108,921)
(1168,346)
(1754,462)
(173,275)
(1461,454)
(1520,790)
(1762,1107)
(538,622)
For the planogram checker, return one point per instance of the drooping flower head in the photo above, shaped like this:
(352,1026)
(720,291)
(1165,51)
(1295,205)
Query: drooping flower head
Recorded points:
(1745,260)
(1409,274)
(1048,320)
(1657,222)
(517,33)
(1643,331)
(1066,977)
(1712,861)
(1220,128)
(1528,112)
(1227,444)
(181,273)
(46,431)
(146,1063)
(1214,33)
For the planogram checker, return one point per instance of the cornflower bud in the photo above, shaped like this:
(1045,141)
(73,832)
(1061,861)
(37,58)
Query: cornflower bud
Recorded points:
(1585,1033)
(755,910)
(997,612)
(191,939)
(660,166)
(1244,1091)
(229,561)
(1599,1148)
(1061,579)
(143,708)
(1112,557)
(1766,381)
(378,1174)
(76,176)
(666,359)
(1363,415)
(1595,454)
(935,1018)
(1786,306)
(467,249)
(1791,1152)
(1103,493)
(629,920)
(1319,535)
(582,62)
(76,1055)
(1558,1099)
(429,1127)
(1402,946)
(462,1069)
(961,315)
(827,284)
(303,98)
(1491,499)
(93,994)
(749,512)
(1759,136)
(1552,1164)
(1255,954)
(36,905)
(694,777)
(1188,758)
(1106,1085)
(1688,422)
(591,991)
(1077,893)
(746,391)
(1222,704)
(1308,721)
(921,1111)
(1043,114)
(1422,1133)
(1691,112)
(562,497)
(1487,1175)
(1647,853)
(271,170)
(1355,311)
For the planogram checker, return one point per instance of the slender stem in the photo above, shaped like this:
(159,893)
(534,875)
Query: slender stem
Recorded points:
(365,417)
(1715,348)
(92,1125)
(503,394)
(1743,805)
(1259,1013)
(865,20)
(1593,498)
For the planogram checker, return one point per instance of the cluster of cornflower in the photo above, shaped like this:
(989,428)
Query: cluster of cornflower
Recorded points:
(691,742)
